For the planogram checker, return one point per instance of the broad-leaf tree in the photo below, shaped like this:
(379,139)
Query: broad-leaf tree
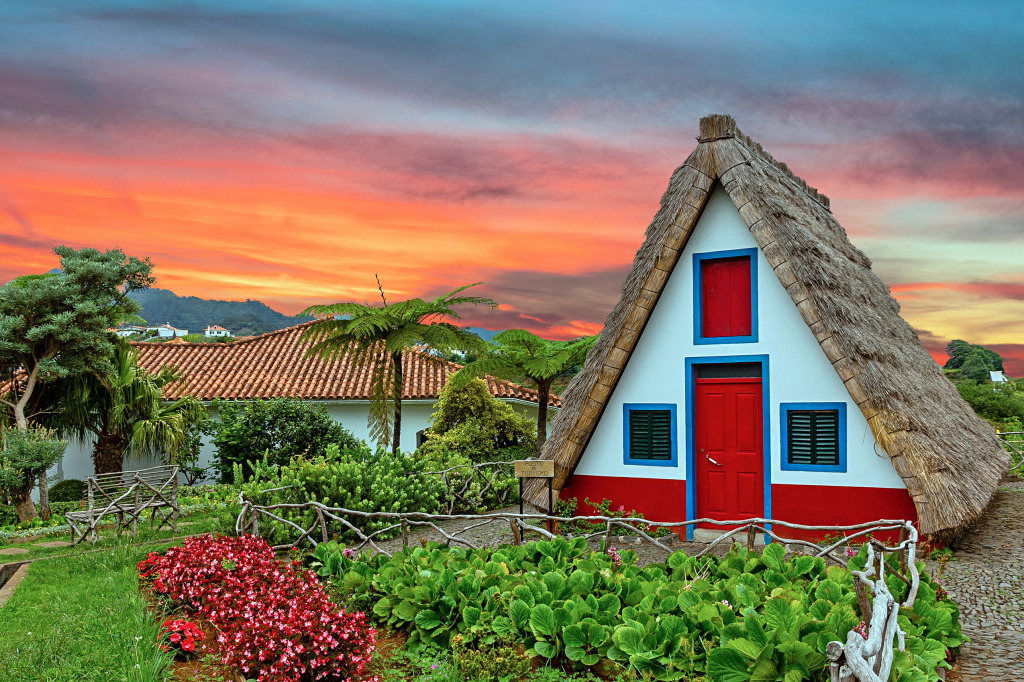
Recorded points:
(53,327)
(376,336)
(124,407)
(516,353)
(25,455)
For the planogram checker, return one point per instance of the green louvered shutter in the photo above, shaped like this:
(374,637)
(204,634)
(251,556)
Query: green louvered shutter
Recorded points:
(813,437)
(650,434)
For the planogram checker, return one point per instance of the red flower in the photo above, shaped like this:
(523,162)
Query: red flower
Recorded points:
(274,621)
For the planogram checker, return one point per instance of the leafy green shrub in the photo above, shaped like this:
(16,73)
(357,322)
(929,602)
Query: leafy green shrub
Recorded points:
(502,661)
(746,616)
(207,494)
(488,489)
(994,402)
(471,422)
(355,479)
(24,456)
(281,429)
(68,490)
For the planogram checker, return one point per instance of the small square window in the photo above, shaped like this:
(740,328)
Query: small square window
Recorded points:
(725,296)
(649,434)
(813,436)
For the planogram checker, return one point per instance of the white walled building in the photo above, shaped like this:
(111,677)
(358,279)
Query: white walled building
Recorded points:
(755,366)
(216,330)
(274,365)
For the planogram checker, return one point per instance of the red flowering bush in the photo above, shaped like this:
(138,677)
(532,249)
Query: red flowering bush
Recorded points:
(272,619)
(147,567)
(182,634)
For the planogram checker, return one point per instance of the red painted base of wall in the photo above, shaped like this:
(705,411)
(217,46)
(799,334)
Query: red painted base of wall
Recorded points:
(665,500)
(838,506)
(657,499)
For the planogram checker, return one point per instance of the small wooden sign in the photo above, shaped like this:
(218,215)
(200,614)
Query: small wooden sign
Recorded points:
(535,468)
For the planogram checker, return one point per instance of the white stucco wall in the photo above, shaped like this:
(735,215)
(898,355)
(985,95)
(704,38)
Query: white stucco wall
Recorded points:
(798,370)
(352,414)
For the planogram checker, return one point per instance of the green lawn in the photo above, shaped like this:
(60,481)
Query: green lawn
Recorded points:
(81,618)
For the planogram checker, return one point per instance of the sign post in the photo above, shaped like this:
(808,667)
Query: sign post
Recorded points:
(536,468)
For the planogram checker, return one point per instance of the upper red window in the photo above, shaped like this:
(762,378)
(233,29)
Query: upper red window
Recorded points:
(725,297)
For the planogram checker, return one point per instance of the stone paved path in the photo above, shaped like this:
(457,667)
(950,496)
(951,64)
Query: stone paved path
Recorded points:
(986,581)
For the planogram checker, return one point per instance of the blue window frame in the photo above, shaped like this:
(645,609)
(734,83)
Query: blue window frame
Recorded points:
(813,436)
(654,440)
(698,304)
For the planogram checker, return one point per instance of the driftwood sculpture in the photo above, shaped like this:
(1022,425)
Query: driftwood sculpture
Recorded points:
(870,659)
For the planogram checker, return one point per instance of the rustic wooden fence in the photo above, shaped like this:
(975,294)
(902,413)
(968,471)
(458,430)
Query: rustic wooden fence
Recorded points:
(859,659)
(1014,442)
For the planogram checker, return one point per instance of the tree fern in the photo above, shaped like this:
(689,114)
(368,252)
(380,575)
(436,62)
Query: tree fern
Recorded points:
(517,352)
(377,336)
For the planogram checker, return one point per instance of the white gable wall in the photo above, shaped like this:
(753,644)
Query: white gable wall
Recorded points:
(798,370)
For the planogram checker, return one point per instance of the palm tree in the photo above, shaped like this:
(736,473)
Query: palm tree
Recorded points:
(376,336)
(126,411)
(516,353)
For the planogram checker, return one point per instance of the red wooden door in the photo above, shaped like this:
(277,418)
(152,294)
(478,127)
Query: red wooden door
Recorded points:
(729,440)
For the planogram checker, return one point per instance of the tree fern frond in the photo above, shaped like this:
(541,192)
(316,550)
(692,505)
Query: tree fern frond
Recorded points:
(497,367)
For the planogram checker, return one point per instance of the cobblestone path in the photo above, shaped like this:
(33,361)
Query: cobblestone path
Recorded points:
(986,581)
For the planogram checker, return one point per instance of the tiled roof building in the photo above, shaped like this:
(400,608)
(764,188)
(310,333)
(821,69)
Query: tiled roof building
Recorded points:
(275,365)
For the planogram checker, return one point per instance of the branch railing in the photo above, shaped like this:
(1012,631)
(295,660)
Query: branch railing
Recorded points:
(459,486)
(1014,442)
(860,659)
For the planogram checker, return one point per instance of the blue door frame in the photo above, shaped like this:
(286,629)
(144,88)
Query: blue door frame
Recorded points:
(691,458)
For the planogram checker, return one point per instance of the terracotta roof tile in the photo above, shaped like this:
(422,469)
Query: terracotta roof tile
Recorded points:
(274,365)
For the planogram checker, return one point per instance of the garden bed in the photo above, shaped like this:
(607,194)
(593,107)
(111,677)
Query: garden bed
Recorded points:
(739,617)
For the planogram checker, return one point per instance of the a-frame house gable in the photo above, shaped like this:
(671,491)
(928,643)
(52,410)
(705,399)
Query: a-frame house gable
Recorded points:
(948,458)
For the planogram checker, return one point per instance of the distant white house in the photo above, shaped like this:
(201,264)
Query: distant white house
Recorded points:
(166,331)
(128,330)
(997,377)
(216,330)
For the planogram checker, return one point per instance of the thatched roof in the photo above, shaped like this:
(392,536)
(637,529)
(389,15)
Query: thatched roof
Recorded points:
(950,460)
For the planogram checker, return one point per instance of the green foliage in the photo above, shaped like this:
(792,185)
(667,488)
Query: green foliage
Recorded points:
(355,479)
(68,490)
(471,490)
(471,422)
(516,354)
(54,326)
(125,408)
(24,455)
(378,336)
(747,616)
(997,403)
(570,507)
(971,361)
(500,661)
(280,430)
(243,318)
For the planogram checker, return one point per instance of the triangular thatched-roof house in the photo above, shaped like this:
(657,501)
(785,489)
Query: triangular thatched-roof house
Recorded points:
(756,318)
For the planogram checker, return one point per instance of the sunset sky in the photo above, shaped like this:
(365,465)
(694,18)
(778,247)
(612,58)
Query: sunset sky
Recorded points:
(289,153)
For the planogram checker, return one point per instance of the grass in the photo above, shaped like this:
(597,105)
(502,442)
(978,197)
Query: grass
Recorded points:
(80,618)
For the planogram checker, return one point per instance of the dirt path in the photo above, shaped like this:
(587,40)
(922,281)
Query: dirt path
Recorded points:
(985,580)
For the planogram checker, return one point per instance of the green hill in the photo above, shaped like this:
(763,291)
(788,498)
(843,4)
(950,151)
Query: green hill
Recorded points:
(243,318)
